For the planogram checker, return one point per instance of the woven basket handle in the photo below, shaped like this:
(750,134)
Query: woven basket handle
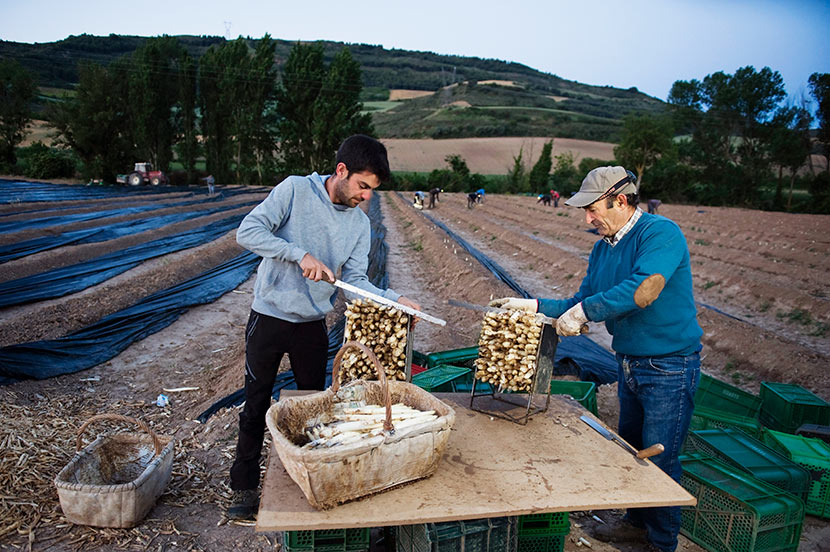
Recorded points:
(335,376)
(119,418)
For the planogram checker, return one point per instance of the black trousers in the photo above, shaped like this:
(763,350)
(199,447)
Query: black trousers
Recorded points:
(267,339)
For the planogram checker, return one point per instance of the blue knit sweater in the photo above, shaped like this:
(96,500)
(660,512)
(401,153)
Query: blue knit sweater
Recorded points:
(667,326)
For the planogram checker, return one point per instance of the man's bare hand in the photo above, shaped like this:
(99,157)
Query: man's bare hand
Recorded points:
(412,305)
(313,269)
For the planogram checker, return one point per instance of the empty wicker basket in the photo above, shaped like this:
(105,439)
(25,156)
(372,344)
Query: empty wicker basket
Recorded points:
(334,475)
(116,479)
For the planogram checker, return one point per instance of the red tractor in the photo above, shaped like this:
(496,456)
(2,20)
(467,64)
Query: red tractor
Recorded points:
(143,173)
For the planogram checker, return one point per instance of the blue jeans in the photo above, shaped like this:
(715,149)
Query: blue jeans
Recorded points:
(656,404)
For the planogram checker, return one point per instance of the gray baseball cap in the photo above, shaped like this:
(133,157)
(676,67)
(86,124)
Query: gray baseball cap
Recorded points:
(603,182)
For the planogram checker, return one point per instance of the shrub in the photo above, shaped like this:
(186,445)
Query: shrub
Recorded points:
(41,161)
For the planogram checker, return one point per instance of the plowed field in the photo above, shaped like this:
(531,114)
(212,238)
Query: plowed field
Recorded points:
(760,278)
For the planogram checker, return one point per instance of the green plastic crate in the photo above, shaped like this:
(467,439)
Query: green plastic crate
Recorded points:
(439,379)
(736,512)
(812,454)
(583,392)
(707,418)
(553,542)
(327,540)
(419,358)
(476,535)
(544,524)
(718,395)
(786,406)
(456,357)
(741,451)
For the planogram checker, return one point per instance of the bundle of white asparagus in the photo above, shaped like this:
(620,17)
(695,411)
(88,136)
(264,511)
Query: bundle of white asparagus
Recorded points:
(507,349)
(381,328)
(349,422)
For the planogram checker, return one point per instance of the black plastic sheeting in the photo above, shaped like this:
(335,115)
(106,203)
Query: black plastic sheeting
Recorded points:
(112,334)
(70,279)
(104,233)
(577,355)
(377,275)
(17,191)
(55,220)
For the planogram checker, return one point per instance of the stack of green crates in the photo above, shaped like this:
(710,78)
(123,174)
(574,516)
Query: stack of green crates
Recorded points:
(327,540)
(476,535)
(715,394)
(785,407)
(735,511)
(812,454)
(746,453)
(456,357)
(543,532)
(583,392)
(441,378)
(708,418)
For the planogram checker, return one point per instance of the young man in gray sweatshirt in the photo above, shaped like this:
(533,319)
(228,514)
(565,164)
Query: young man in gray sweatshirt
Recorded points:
(306,228)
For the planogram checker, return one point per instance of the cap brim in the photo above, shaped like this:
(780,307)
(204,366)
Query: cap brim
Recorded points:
(583,199)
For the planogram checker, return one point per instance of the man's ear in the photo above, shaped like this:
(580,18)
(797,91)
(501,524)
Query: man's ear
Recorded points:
(621,201)
(342,170)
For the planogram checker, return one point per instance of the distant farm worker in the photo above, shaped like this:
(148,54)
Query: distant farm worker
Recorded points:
(308,228)
(433,197)
(653,204)
(480,193)
(418,201)
(472,199)
(639,282)
(209,181)
(555,196)
(544,199)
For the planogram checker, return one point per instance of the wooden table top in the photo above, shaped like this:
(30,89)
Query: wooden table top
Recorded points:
(491,468)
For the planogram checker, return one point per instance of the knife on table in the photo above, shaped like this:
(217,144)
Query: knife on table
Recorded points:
(654,449)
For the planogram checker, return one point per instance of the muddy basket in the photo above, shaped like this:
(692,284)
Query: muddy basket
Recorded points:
(116,479)
(330,476)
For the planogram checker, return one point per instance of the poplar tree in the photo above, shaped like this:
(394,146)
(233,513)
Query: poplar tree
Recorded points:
(17,89)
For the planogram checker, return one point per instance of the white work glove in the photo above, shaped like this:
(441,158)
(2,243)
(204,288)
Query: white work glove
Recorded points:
(516,303)
(571,322)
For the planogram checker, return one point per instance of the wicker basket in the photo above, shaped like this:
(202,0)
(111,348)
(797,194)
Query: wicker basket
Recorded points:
(331,476)
(116,479)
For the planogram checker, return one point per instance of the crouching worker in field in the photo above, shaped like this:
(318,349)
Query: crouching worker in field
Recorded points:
(307,228)
(639,282)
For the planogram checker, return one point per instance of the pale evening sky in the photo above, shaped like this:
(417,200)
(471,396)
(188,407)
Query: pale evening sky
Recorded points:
(618,43)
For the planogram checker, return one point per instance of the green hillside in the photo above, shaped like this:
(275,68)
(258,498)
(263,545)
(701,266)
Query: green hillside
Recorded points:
(577,111)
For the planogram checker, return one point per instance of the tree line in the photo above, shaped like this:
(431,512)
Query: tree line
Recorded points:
(159,104)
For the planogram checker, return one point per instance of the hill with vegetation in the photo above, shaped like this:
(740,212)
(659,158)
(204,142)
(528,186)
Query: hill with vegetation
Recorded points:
(469,96)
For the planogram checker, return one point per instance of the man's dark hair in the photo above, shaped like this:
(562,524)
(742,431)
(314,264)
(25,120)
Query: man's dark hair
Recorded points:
(363,153)
(633,200)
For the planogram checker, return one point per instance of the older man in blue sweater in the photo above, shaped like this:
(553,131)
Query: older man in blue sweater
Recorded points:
(639,282)
(308,229)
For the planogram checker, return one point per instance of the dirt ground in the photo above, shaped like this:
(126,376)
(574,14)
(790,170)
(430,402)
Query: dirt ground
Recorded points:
(764,272)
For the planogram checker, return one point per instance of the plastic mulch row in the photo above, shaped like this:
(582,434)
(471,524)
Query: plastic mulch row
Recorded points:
(736,512)
(814,456)
(746,453)
(476,535)
(718,395)
(327,540)
(785,407)
(708,418)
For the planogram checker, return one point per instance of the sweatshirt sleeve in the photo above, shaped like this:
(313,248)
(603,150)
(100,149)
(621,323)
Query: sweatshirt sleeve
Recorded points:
(659,252)
(256,232)
(355,267)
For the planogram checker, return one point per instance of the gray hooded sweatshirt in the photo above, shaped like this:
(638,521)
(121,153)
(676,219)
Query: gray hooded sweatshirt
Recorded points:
(296,218)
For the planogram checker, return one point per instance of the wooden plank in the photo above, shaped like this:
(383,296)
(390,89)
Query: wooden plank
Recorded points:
(491,468)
